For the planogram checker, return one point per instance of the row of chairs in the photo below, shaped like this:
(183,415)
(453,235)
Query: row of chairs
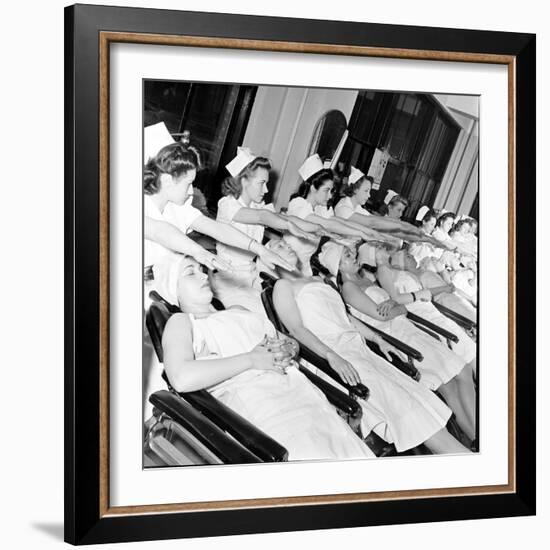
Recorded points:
(195,428)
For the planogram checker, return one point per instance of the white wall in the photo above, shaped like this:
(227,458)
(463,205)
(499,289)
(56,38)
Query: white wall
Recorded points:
(31,467)
(281,127)
(459,186)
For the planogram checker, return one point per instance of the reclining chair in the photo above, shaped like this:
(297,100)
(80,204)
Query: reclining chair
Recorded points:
(226,435)
(379,446)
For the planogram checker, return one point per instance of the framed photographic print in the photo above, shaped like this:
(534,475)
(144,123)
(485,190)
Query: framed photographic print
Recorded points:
(298,274)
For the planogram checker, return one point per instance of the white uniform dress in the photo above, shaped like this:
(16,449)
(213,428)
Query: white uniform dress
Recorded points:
(180,216)
(440,364)
(345,209)
(286,407)
(305,248)
(399,409)
(406,282)
(242,286)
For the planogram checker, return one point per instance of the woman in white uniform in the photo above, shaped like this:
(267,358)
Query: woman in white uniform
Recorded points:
(399,409)
(169,215)
(395,275)
(394,205)
(310,204)
(226,352)
(441,369)
(243,208)
(350,207)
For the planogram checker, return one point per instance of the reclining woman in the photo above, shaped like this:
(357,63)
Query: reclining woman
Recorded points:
(243,208)
(310,203)
(398,275)
(226,352)
(399,410)
(440,370)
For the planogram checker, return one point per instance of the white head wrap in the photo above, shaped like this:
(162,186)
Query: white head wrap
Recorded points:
(311,166)
(155,137)
(330,256)
(165,273)
(244,157)
(389,196)
(422,211)
(367,254)
(355,175)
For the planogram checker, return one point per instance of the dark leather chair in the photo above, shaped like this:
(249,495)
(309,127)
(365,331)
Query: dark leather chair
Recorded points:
(227,435)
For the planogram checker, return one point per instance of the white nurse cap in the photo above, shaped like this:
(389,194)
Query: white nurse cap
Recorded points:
(155,137)
(241,161)
(422,211)
(355,175)
(389,196)
(311,166)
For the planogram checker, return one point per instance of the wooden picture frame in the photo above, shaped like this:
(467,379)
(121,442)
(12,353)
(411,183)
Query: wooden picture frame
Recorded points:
(89,32)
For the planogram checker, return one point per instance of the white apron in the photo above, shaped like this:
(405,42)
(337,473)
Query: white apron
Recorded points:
(440,364)
(286,407)
(399,409)
(406,282)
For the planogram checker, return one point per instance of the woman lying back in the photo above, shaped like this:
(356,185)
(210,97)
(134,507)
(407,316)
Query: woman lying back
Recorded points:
(399,409)
(227,353)
(441,369)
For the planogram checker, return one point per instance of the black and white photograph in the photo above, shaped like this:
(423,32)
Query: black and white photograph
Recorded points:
(310,274)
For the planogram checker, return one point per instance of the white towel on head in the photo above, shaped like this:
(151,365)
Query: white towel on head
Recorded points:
(330,256)
(165,274)
(367,254)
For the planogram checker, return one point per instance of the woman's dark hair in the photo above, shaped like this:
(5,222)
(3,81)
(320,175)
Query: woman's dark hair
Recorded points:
(232,185)
(350,190)
(316,266)
(384,208)
(460,224)
(316,180)
(427,217)
(441,220)
(175,160)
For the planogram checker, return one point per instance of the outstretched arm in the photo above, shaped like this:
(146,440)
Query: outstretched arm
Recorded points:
(267,218)
(289,313)
(226,233)
(169,236)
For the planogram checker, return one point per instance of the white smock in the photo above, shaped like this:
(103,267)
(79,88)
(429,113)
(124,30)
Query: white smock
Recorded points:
(399,409)
(345,209)
(242,285)
(304,248)
(181,216)
(439,365)
(406,282)
(286,407)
